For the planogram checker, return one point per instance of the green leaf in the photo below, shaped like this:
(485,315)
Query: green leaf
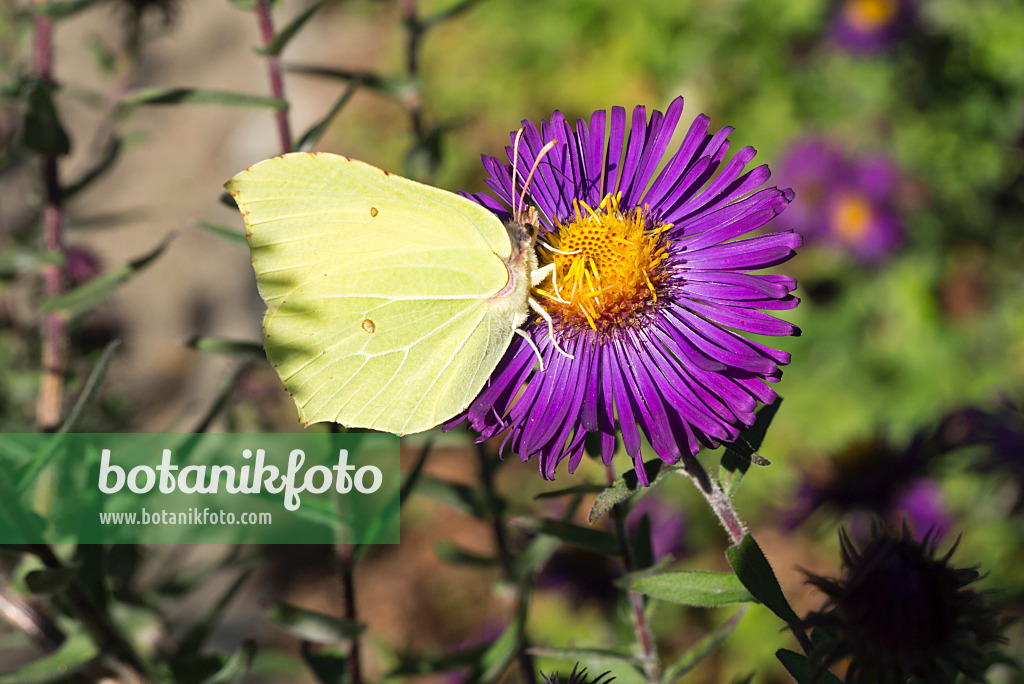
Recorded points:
(595,540)
(215,345)
(625,487)
(63,10)
(399,87)
(95,291)
(50,580)
(571,491)
(496,659)
(230,234)
(104,164)
(42,129)
(329,668)
(453,554)
(195,638)
(172,96)
(77,651)
(468,499)
(423,664)
(312,626)
(703,648)
(756,574)
(310,138)
(740,454)
(278,42)
(448,13)
(796,664)
(14,261)
(704,589)
(413,478)
(92,385)
(236,667)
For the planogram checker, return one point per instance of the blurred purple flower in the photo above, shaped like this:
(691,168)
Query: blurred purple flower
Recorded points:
(875,479)
(846,203)
(869,26)
(80,266)
(1000,434)
(582,575)
(660,289)
(668,526)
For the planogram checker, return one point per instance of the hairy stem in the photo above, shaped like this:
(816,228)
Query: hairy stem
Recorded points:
(284,132)
(644,636)
(54,325)
(505,557)
(719,501)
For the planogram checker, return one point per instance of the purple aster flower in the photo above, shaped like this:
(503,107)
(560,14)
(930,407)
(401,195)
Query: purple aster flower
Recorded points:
(867,26)
(651,290)
(875,479)
(845,203)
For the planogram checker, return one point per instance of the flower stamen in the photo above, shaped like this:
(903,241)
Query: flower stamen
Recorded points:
(608,264)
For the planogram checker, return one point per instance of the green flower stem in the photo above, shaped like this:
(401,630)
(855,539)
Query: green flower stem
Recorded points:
(644,636)
(505,558)
(345,553)
(414,35)
(54,327)
(719,501)
(284,132)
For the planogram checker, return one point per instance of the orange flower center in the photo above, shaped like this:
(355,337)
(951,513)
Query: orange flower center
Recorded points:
(852,217)
(870,15)
(607,266)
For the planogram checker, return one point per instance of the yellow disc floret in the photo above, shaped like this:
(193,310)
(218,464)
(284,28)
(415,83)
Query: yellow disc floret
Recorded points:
(607,266)
(852,216)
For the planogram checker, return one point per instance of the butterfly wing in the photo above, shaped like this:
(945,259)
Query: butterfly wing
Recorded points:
(378,290)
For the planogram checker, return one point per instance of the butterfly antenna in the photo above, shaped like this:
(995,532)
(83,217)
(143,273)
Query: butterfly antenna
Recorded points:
(529,341)
(517,213)
(515,162)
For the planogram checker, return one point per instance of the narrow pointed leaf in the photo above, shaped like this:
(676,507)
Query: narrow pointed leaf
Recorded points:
(235,668)
(63,10)
(756,574)
(77,651)
(232,235)
(13,261)
(625,487)
(399,87)
(313,626)
(278,43)
(453,554)
(50,580)
(311,137)
(572,491)
(797,666)
(592,657)
(703,648)
(595,540)
(104,164)
(173,96)
(215,345)
(95,291)
(704,589)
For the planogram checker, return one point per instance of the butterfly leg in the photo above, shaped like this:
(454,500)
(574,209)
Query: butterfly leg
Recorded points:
(539,310)
(529,341)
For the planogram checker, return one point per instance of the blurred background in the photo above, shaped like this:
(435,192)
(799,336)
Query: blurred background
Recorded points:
(899,124)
